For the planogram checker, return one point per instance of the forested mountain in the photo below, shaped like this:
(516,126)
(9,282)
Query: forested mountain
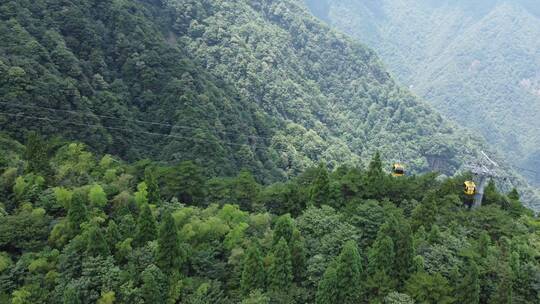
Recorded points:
(260,85)
(478,62)
(207,151)
(82,228)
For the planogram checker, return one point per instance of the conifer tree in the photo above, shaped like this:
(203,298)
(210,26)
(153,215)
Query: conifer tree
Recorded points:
(96,244)
(141,196)
(36,154)
(375,178)
(327,290)
(434,235)
(77,211)
(256,297)
(375,166)
(468,291)
(349,273)
(484,242)
(320,189)
(420,237)
(127,226)
(284,228)
(169,254)
(426,288)
(380,261)
(185,182)
(404,250)
(71,296)
(514,195)
(253,274)
(381,255)
(154,196)
(418,264)
(515,264)
(399,230)
(425,214)
(112,234)
(491,194)
(504,291)
(153,285)
(280,274)
(146,226)
(298,255)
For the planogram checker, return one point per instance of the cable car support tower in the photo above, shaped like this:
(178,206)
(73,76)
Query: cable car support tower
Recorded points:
(483,170)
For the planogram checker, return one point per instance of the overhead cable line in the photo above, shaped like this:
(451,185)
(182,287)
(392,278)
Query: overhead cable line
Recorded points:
(122,129)
(126,119)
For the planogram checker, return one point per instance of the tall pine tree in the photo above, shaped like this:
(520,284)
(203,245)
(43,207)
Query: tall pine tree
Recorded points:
(153,289)
(253,274)
(77,211)
(327,290)
(146,226)
(36,154)
(298,256)
(71,296)
(375,177)
(170,255)
(154,196)
(514,195)
(484,241)
(468,291)
(112,234)
(504,291)
(96,243)
(320,189)
(381,257)
(399,230)
(280,274)
(283,229)
(349,275)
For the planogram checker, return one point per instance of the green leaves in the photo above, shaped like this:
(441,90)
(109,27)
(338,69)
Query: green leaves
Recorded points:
(170,253)
(154,288)
(96,243)
(253,273)
(328,288)
(97,196)
(280,273)
(349,275)
(221,253)
(146,226)
(77,211)
(425,288)
(320,189)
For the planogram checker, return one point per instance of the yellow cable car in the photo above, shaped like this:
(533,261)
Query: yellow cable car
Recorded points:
(398,170)
(469,188)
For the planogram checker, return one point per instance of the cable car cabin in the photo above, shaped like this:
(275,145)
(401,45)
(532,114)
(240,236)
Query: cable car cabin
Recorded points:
(398,170)
(469,188)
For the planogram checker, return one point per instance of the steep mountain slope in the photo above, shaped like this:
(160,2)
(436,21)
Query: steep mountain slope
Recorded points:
(261,85)
(476,61)
(111,63)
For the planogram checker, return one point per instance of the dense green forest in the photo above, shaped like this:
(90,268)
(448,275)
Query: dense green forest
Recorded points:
(476,61)
(232,84)
(76,227)
(208,151)
(226,84)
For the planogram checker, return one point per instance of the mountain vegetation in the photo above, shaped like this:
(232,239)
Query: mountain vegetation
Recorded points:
(76,227)
(476,61)
(183,151)
(228,84)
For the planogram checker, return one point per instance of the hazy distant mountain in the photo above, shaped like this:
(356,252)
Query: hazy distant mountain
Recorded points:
(478,62)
